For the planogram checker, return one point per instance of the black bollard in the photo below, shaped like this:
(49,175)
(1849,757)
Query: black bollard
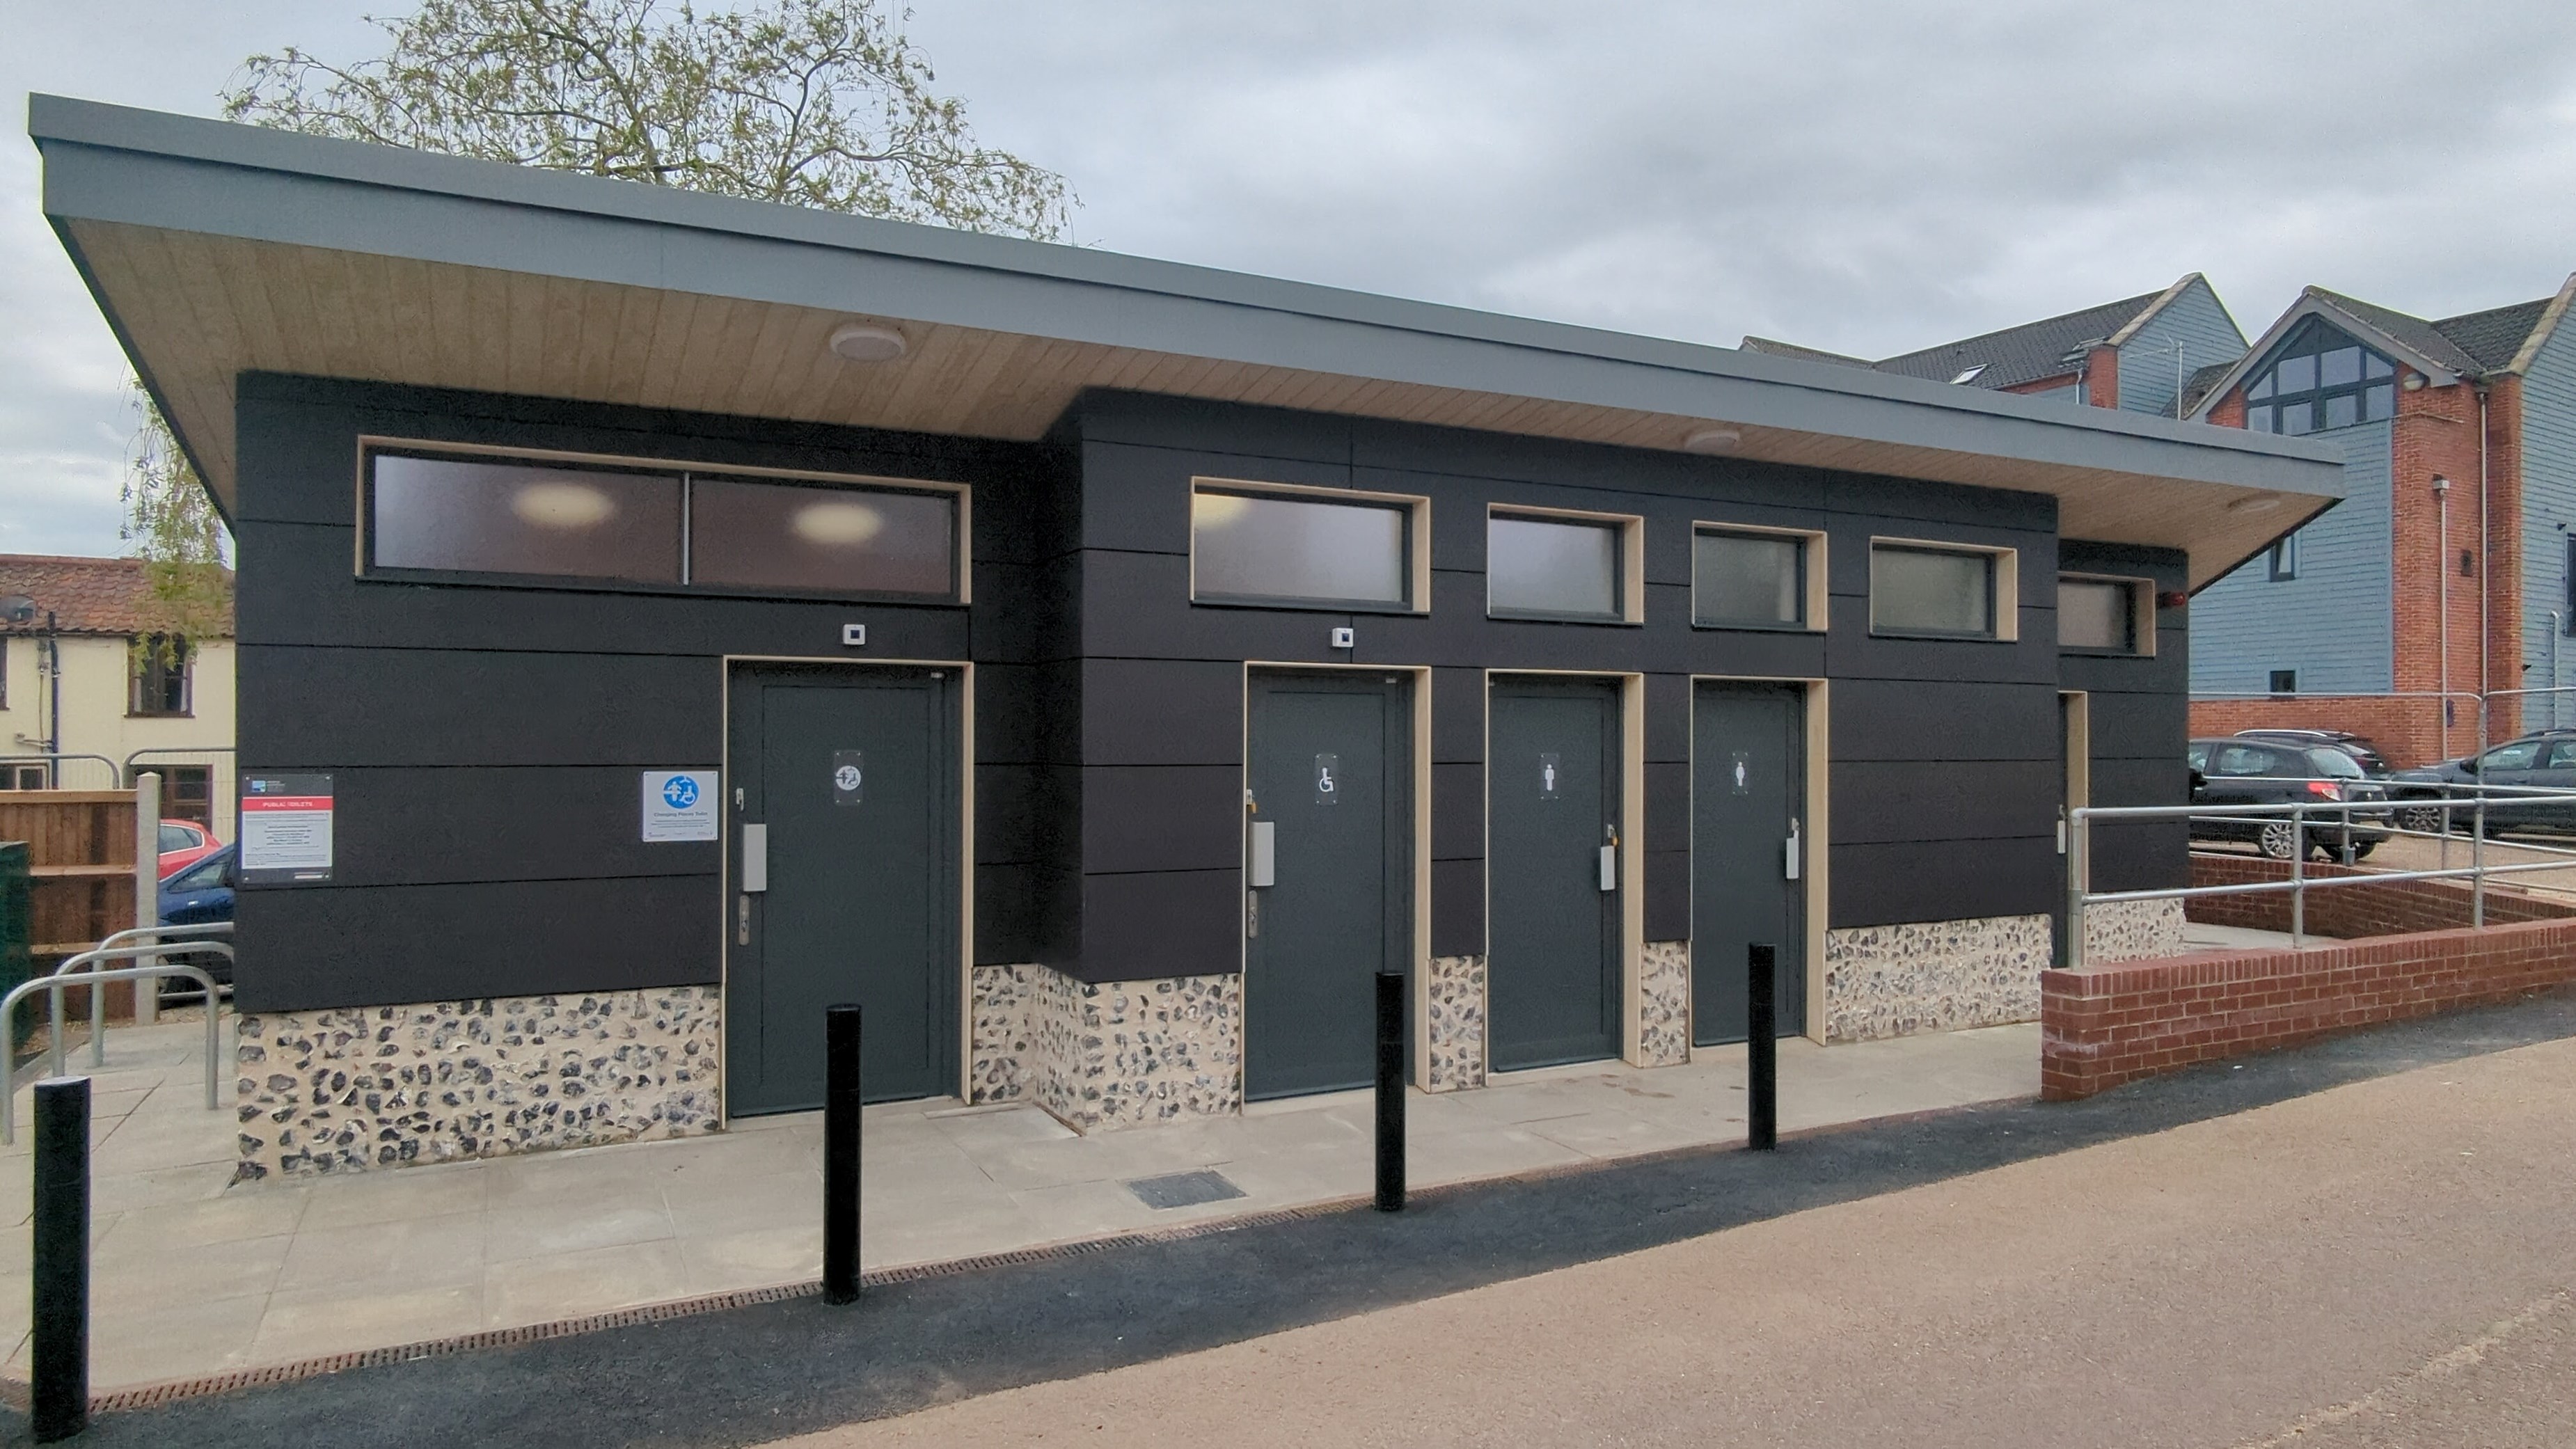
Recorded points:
(1390,1091)
(1761,1051)
(841,1154)
(58,1357)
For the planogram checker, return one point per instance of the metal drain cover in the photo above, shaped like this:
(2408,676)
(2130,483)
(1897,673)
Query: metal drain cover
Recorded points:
(1183,1189)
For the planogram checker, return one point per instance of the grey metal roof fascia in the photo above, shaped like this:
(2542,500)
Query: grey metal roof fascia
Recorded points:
(115,164)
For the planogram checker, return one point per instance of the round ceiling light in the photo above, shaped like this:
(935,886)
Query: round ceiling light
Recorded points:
(863,342)
(837,524)
(563,506)
(1712,440)
(2255,503)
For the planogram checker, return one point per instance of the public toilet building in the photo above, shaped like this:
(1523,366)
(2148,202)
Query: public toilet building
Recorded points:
(661,616)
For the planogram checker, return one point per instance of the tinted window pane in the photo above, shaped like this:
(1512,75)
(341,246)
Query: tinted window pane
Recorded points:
(2517,756)
(1295,549)
(2258,419)
(2094,615)
(2298,418)
(2298,374)
(2262,387)
(2374,365)
(1542,567)
(844,540)
(2337,765)
(2243,760)
(2343,410)
(1748,578)
(2338,367)
(2380,402)
(524,518)
(1912,588)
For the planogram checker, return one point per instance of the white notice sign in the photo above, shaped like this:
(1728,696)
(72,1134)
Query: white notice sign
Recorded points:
(680,804)
(286,829)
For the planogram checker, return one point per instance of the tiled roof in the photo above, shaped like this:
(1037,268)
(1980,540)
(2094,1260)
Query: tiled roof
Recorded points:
(2494,336)
(2197,386)
(2408,331)
(2026,353)
(85,595)
(1775,348)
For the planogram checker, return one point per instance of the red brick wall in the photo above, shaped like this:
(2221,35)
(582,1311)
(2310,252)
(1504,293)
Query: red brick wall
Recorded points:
(2099,1029)
(2437,433)
(2102,377)
(2407,731)
(2390,908)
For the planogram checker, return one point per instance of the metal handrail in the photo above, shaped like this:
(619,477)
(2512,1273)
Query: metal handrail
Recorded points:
(57,984)
(106,951)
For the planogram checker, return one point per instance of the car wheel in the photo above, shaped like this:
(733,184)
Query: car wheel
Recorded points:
(2361,849)
(2422,819)
(2278,839)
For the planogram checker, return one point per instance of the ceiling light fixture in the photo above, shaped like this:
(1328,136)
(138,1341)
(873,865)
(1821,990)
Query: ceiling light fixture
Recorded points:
(1712,440)
(2256,503)
(863,342)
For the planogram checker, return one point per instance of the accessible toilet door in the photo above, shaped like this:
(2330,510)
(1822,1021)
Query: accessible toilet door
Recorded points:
(849,807)
(1331,786)
(1552,791)
(1748,853)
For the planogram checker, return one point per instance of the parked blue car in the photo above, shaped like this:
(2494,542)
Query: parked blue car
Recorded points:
(200,894)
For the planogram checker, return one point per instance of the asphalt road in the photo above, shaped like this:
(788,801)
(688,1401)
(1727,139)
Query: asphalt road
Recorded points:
(2202,1259)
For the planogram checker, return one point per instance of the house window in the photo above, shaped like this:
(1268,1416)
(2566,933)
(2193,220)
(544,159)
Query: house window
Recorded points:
(161,674)
(1748,580)
(1342,552)
(2285,681)
(1557,567)
(2285,559)
(2098,614)
(1958,593)
(2320,379)
(188,793)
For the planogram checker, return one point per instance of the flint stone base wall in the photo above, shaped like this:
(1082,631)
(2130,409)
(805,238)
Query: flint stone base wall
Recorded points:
(384,1086)
(1456,1024)
(1108,1055)
(1883,981)
(2132,931)
(1664,1004)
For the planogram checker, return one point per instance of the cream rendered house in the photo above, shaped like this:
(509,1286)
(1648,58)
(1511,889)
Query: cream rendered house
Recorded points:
(175,717)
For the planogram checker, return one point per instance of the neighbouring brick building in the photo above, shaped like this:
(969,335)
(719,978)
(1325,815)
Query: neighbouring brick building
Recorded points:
(2449,565)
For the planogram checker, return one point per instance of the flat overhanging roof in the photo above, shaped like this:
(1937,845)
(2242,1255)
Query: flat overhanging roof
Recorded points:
(216,249)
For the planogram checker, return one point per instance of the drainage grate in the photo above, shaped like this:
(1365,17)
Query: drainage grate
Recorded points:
(1183,1189)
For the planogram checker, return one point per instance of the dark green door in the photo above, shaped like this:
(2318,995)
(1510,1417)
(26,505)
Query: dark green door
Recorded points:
(1552,791)
(851,773)
(1331,782)
(1748,853)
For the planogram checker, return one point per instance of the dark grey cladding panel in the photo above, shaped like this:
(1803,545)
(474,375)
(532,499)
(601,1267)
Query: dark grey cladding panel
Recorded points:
(1937,880)
(1161,818)
(1162,712)
(1667,825)
(1942,504)
(1668,719)
(1852,651)
(1012,905)
(1137,606)
(326,709)
(1458,812)
(1171,923)
(455,826)
(2167,674)
(1028,713)
(2140,855)
(1160,420)
(333,946)
(1022,612)
(1457,715)
(1668,895)
(1938,720)
(1742,653)
(1024,812)
(1458,907)
(297,588)
(2165,781)
(2169,568)
(2138,726)
(1883,801)
(298,447)
(1137,498)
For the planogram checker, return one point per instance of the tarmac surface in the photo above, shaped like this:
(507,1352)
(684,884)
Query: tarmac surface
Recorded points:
(2359,1238)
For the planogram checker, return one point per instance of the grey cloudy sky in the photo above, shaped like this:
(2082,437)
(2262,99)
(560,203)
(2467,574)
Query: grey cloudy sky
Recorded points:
(1866,177)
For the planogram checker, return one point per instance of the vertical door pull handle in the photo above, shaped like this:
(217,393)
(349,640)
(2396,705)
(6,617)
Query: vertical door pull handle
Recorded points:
(1609,867)
(1265,853)
(1790,856)
(755,859)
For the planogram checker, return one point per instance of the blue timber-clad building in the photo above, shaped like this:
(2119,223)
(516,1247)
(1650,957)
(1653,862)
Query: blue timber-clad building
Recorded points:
(1097,667)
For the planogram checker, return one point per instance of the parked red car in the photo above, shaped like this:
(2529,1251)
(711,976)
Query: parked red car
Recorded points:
(183,844)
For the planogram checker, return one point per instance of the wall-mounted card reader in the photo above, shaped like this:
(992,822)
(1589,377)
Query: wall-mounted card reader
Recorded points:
(755,859)
(854,635)
(1265,853)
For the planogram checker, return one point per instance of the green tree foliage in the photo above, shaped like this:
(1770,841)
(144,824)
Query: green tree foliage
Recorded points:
(171,524)
(820,103)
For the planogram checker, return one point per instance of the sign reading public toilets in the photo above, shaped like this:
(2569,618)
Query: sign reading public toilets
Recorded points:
(680,804)
(286,830)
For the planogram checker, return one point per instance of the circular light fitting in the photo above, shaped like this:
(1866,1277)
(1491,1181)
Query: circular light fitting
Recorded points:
(838,524)
(861,342)
(2256,503)
(1712,440)
(565,506)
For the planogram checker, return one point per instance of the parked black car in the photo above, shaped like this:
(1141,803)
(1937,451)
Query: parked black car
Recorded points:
(2239,771)
(2372,762)
(2546,759)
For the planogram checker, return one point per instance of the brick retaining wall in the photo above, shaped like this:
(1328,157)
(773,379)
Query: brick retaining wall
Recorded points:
(2353,912)
(2101,1028)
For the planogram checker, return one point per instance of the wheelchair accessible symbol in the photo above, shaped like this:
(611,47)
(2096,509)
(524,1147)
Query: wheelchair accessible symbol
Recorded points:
(680,792)
(1328,784)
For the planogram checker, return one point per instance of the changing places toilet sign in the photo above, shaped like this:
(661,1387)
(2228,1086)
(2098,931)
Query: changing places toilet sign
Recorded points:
(286,829)
(680,805)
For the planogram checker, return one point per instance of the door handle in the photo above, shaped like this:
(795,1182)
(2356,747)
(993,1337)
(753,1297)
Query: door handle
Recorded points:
(1609,867)
(1791,854)
(755,859)
(1265,853)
